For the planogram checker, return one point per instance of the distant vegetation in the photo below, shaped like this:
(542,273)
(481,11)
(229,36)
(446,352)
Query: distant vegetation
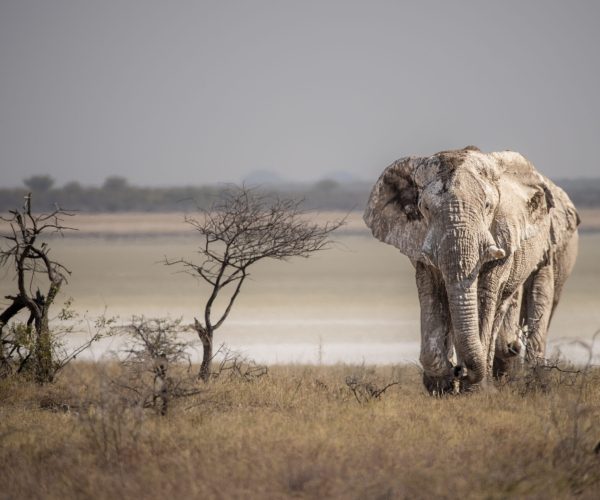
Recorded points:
(117,195)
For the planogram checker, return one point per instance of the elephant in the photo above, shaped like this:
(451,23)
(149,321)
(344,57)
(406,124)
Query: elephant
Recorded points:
(492,242)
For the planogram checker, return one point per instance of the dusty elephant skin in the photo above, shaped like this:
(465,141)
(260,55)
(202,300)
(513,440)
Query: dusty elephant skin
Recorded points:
(492,242)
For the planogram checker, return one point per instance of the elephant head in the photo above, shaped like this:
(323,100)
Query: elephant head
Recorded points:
(461,212)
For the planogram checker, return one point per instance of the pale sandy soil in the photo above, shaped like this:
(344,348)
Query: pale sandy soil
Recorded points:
(358,300)
(173,224)
(169,224)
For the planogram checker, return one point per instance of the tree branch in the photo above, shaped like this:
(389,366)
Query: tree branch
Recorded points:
(231,300)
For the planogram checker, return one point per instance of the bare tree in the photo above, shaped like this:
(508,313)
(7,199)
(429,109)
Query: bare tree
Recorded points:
(240,229)
(34,268)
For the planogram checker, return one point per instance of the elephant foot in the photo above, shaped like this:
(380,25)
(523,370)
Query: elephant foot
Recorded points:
(484,385)
(456,382)
(439,385)
(464,384)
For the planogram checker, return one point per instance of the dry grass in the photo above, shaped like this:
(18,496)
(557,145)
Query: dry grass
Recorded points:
(300,432)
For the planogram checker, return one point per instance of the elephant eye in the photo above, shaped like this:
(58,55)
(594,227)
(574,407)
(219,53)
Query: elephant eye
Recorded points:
(488,205)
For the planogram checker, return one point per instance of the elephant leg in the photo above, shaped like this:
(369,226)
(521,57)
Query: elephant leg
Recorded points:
(495,302)
(436,342)
(539,291)
(508,343)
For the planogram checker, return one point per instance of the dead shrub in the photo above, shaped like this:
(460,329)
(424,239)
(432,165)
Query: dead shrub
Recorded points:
(235,366)
(366,386)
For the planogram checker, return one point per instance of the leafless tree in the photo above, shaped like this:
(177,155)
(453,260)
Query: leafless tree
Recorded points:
(39,279)
(240,229)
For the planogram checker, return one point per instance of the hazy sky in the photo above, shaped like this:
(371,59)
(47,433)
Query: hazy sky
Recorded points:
(193,92)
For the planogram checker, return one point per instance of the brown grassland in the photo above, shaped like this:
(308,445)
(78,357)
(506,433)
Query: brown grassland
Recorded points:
(300,431)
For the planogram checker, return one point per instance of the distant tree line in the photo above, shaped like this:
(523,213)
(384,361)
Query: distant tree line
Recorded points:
(117,195)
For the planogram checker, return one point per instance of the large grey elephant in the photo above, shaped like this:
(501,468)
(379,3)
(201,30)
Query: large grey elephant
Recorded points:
(492,242)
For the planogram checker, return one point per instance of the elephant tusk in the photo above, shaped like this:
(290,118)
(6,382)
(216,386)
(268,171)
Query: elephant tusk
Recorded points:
(495,253)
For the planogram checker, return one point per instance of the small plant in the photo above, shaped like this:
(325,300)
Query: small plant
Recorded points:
(544,376)
(157,364)
(366,388)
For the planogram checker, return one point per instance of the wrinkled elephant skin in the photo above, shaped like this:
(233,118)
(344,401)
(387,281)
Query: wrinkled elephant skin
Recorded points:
(492,242)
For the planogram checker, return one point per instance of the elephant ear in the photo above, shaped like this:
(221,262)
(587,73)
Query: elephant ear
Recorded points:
(392,211)
(564,218)
(526,201)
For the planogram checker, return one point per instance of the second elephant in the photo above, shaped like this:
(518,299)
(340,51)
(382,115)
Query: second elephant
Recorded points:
(492,242)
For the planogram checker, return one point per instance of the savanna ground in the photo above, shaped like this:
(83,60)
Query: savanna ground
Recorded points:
(300,430)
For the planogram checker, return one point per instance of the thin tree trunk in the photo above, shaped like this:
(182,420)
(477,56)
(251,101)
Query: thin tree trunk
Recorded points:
(43,353)
(206,337)
(161,388)
(207,354)
(44,360)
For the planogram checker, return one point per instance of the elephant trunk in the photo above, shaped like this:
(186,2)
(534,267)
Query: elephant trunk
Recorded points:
(464,313)
(460,260)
